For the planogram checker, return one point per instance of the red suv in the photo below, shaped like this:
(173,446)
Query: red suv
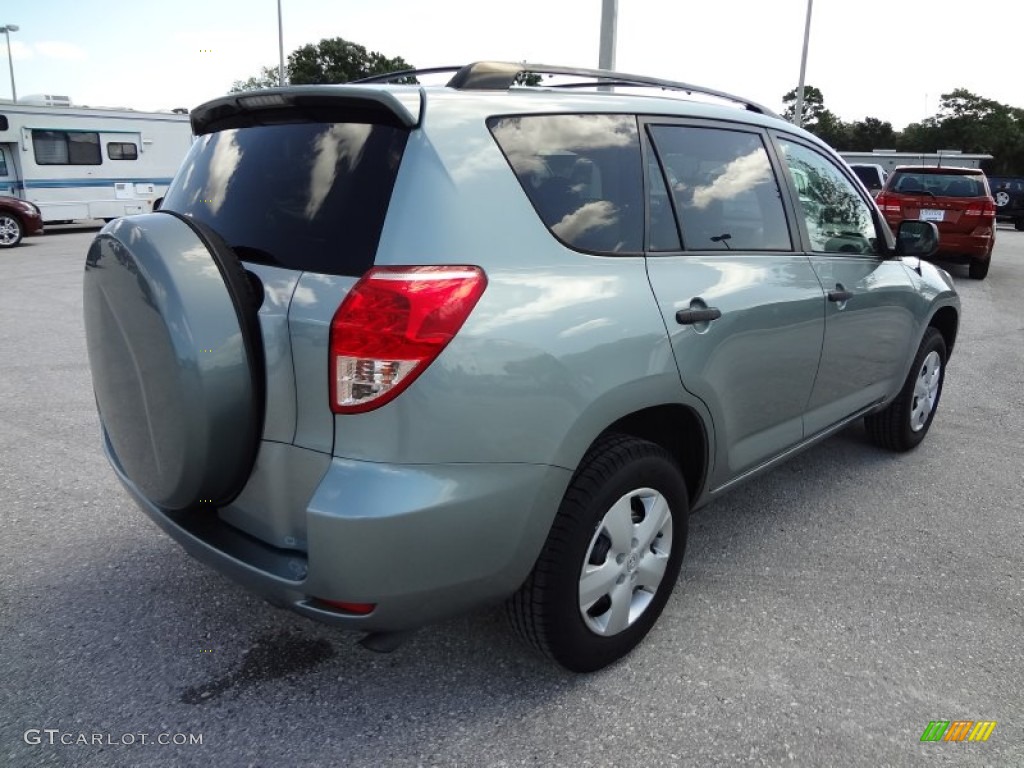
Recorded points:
(960,203)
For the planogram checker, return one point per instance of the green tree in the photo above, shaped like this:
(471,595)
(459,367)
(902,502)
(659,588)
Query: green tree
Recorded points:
(267,78)
(971,123)
(816,118)
(332,60)
(868,134)
(335,60)
(527,78)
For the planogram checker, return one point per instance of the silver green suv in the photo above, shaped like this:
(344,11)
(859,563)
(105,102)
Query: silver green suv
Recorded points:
(392,352)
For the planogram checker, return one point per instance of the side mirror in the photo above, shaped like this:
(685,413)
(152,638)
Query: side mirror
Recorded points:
(917,238)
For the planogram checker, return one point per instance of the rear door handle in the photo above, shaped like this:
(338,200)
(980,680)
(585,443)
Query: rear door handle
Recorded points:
(840,296)
(692,316)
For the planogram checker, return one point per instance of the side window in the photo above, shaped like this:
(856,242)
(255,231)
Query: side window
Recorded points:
(838,220)
(122,150)
(66,147)
(583,175)
(725,194)
(3,163)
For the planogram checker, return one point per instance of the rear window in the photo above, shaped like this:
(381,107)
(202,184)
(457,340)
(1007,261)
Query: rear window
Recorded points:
(939,184)
(304,196)
(583,175)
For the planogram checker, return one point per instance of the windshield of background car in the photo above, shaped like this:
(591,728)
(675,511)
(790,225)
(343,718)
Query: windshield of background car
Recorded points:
(304,196)
(938,184)
(583,175)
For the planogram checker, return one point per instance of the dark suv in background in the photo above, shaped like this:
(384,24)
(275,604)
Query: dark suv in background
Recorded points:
(1009,196)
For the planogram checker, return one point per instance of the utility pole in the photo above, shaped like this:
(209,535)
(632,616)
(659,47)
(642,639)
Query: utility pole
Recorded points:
(280,46)
(609,24)
(798,111)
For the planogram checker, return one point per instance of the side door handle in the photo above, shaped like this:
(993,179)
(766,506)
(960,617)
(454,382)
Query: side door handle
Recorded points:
(693,316)
(840,296)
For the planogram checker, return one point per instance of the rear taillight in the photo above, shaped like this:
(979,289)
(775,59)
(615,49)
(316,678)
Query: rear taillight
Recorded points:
(888,203)
(981,208)
(392,324)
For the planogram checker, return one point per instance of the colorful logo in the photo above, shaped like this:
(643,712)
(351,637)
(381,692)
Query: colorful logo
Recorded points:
(958,730)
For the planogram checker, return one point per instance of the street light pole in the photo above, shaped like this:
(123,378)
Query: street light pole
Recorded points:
(280,47)
(798,113)
(7,29)
(609,23)
(609,27)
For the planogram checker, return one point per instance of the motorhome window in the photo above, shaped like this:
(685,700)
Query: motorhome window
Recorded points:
(66,147)
(3,123)
(122,150)
(3,163)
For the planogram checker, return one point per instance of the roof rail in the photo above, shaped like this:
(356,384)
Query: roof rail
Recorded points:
(501,75)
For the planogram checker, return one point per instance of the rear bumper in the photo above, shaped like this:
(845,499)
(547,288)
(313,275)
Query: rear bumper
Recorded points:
(954,244)
(978,247)
(421,542)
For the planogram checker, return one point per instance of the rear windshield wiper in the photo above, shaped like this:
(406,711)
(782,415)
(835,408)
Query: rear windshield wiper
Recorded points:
(918,192)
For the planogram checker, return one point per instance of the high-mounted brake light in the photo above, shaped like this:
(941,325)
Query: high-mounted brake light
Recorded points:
(392,325)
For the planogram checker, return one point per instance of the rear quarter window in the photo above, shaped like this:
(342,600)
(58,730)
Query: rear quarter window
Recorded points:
(304,196)
(583,175)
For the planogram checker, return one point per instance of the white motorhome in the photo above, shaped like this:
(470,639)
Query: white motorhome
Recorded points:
(84,163)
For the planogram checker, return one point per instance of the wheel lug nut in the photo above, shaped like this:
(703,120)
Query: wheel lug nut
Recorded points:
(620,559)
(621,579)
(635,543)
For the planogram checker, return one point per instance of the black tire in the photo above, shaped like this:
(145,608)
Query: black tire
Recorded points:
(11,230)
(547,613)
(978,270)
(893,428)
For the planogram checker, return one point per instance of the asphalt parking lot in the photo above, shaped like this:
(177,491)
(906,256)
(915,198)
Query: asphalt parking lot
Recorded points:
(826,613)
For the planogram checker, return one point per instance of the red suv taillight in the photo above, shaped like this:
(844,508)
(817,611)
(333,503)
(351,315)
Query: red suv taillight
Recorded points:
(888,203)
(981,208)
(393,324)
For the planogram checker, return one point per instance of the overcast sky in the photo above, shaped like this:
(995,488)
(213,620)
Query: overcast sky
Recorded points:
(889,59)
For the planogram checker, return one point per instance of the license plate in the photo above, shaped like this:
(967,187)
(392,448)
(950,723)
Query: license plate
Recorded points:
(930,214)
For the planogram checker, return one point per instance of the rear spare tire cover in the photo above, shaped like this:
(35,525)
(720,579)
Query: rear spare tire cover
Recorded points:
(174,348)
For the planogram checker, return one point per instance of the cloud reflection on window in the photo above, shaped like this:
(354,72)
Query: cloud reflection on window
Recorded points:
(740,175)
(589,218)
(520,138)
(223,164)
(341,144)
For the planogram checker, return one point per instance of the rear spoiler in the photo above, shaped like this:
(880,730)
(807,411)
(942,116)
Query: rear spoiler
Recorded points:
(401,108)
